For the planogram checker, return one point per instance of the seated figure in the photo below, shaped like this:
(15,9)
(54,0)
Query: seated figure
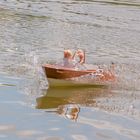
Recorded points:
(81,54)
(70,61)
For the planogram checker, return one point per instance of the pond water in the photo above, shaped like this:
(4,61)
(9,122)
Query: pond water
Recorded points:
(35,32)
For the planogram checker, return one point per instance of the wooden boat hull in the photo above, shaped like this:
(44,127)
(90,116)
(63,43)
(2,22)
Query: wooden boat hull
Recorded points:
(57,72)
(60,76)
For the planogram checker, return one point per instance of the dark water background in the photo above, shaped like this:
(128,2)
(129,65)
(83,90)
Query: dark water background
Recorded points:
(34,32)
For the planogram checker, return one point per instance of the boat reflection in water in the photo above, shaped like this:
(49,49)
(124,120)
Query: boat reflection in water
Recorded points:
(66,101)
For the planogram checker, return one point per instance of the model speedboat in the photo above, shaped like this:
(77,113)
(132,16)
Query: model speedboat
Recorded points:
(63,76)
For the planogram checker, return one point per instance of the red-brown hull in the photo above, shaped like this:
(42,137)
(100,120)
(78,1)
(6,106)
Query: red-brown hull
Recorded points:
(57,72)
